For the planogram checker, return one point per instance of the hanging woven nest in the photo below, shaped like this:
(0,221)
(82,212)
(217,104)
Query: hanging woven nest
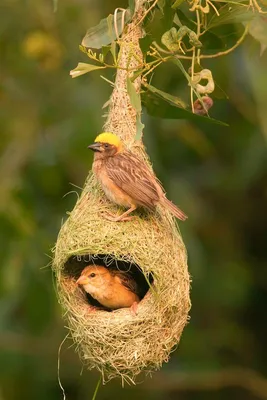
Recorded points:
(149,247)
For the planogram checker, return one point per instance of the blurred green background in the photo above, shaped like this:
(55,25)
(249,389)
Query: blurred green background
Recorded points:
(216,174)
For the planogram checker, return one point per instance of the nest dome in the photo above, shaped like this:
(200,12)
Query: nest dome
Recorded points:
(119,343)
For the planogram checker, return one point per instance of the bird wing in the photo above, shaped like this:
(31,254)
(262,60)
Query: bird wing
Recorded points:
(133,176)
(127,281)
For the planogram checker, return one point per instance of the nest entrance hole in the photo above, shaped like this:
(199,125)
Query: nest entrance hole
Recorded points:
(75,265)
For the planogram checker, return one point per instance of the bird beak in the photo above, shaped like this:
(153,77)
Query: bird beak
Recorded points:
(83,280)
(95,146)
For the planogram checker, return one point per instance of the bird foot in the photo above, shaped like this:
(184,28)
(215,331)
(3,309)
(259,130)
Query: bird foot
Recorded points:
(117,218)
(133,308)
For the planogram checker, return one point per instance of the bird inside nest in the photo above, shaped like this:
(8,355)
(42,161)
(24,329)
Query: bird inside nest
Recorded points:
(126,179)
(113,289)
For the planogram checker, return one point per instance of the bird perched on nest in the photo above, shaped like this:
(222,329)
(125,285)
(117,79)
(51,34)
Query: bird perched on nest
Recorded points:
(112,289)
(126,180)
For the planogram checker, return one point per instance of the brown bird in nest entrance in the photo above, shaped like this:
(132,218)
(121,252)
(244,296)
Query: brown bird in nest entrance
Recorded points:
(126,180)
(111,288)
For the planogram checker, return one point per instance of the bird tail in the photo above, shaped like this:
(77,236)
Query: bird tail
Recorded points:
(174,209)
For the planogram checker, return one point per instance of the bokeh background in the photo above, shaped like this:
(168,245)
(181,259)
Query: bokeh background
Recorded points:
(216,174)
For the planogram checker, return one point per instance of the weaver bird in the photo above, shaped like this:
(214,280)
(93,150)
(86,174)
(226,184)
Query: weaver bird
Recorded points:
(111,288)
(126,180)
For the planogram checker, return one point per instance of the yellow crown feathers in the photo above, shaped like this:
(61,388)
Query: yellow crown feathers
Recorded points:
(110,138)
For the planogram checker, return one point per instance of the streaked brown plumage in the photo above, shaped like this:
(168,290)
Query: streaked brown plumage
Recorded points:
(126,180)
(111,288)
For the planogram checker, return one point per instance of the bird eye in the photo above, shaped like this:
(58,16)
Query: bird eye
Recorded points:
(106,145)
(92,275)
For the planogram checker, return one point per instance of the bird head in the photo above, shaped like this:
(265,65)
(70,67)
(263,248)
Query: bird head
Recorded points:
(107,144)
(94,278)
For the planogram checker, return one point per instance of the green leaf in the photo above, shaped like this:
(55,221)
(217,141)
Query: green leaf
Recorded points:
(83,68)
(161,5)
(139,127)
(157,106)
(180,65)
(131,6)
(83,49)
(110,23)
(137,73)
(104,33)
(105,50)
(230,14)
(181,18)
(168,13)
(258,30)
(170,41)
(177,3)
(176,101)
(145,43)
(135,98)
(113,50)
(212,43)
(176,21)
(176,61)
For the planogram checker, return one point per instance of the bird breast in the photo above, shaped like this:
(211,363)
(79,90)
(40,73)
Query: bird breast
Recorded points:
(113,296)
(92,290)
(112,191)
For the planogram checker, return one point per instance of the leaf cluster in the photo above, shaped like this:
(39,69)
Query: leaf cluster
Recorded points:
(187,33)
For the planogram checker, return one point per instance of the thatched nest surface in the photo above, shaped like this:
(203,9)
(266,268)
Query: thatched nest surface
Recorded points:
(119,343)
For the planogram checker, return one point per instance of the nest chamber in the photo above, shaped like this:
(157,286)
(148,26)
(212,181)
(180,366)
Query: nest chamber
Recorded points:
(119,343)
